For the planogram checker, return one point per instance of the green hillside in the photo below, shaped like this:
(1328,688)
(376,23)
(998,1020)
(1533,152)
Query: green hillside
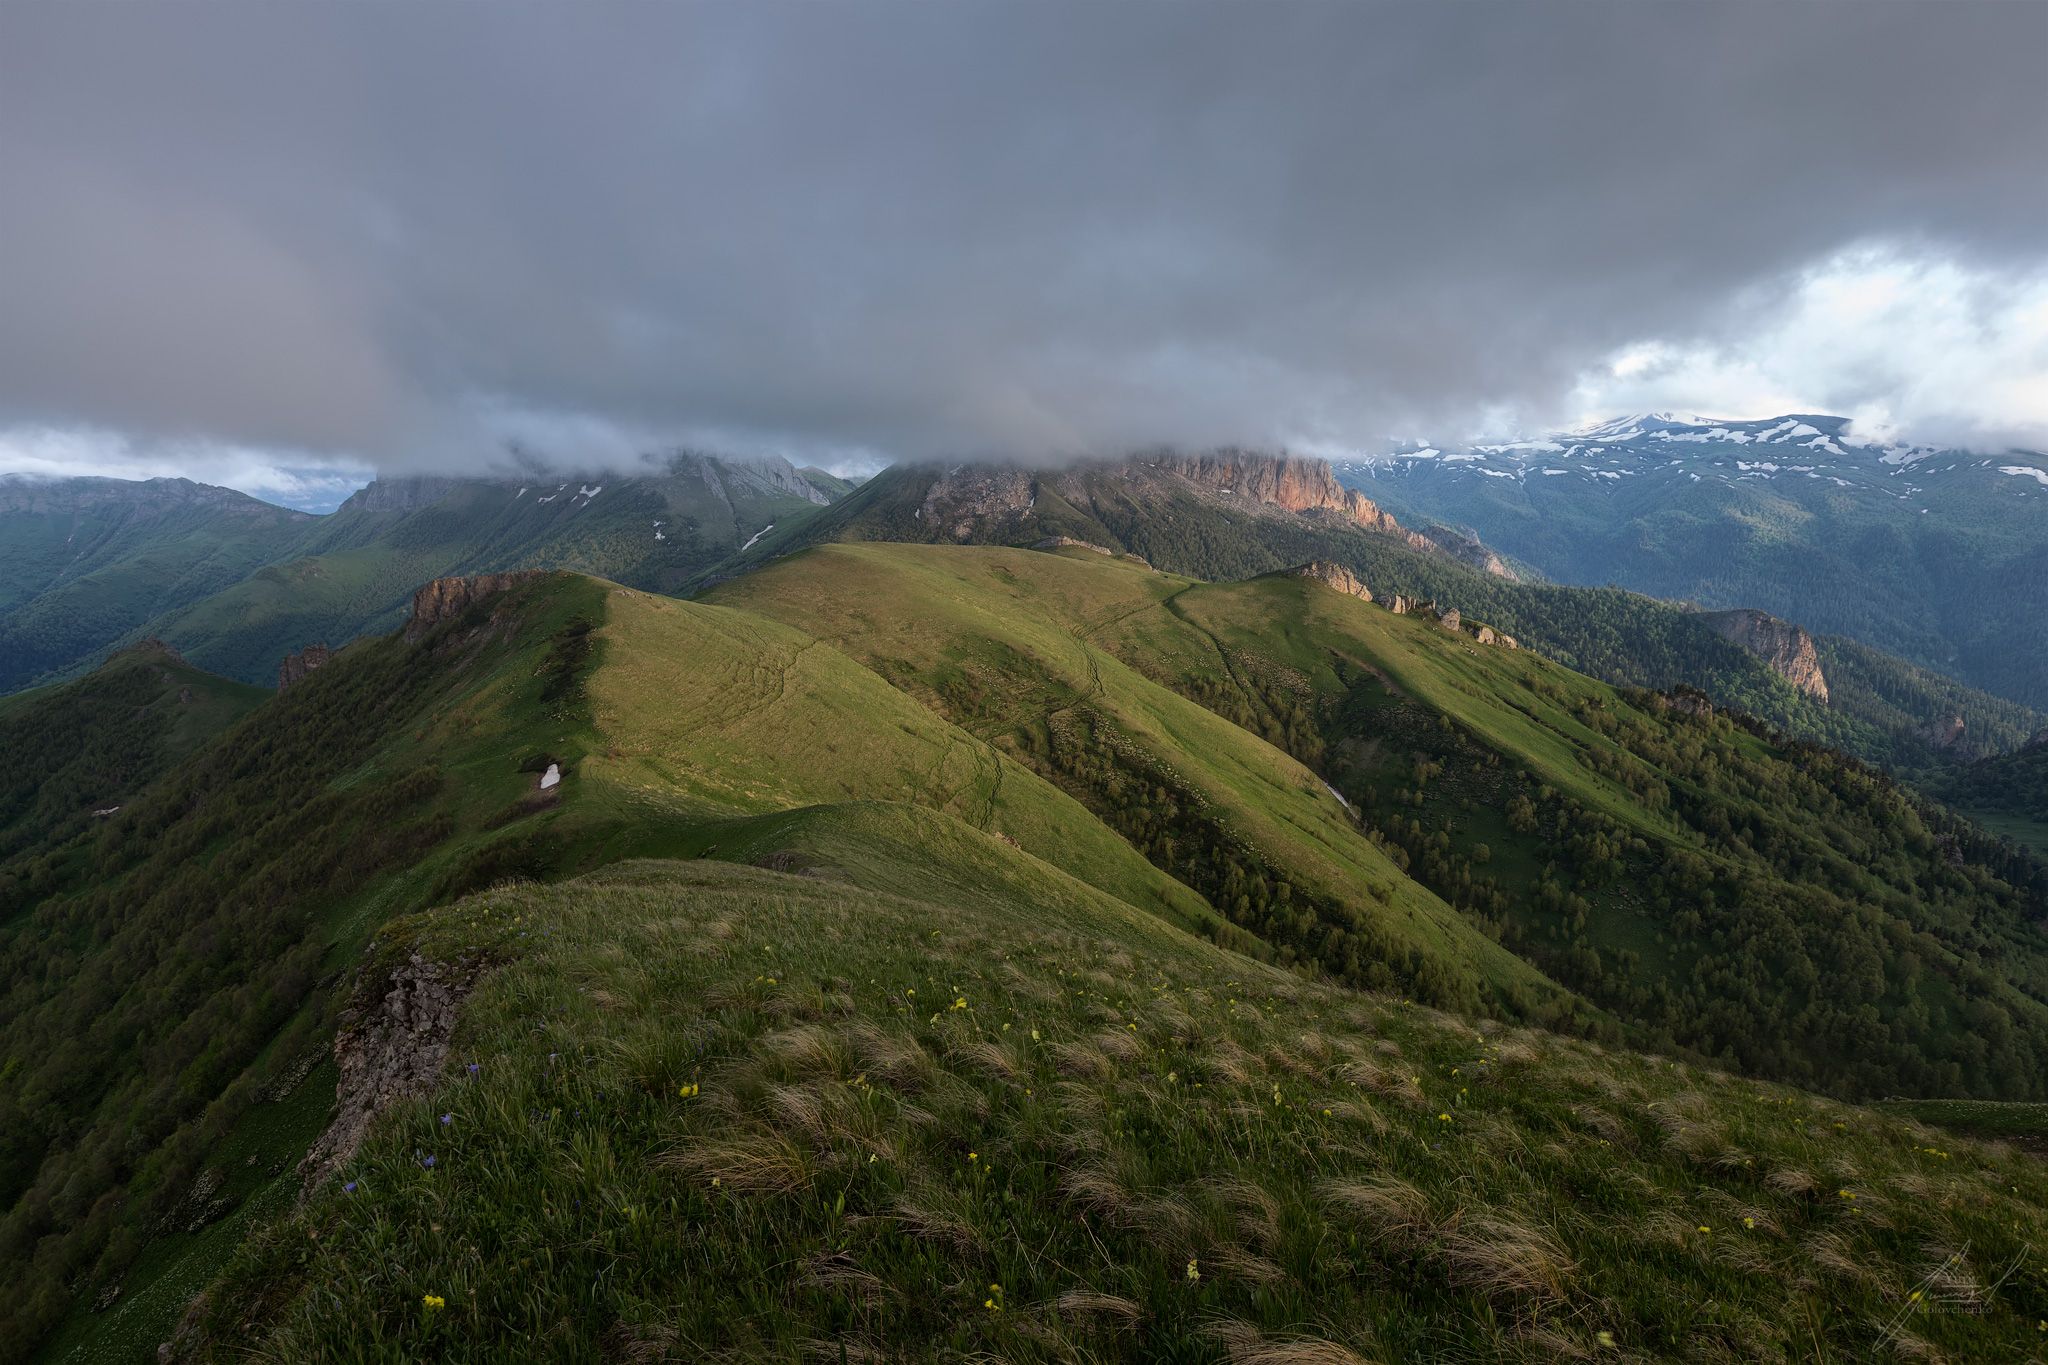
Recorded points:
(712,1112)
(253,599)
(1928,555)
(1004,643)
(1716,887)
(87,562)
(189,947)
(1879,709)
(1056,790)
(2007,794)
(81,750)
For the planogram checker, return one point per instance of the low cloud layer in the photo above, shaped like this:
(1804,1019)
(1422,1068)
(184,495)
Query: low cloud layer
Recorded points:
(397,235)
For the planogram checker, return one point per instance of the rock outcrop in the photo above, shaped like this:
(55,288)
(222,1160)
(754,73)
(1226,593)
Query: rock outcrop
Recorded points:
(295,667)
(1946,733)
(1336,575)
(389,1051)
(1292,483)
(1469,549)
(976,500)
(445,598)
(1786,648)
(1450,620)
(1396,603)
(1068,542)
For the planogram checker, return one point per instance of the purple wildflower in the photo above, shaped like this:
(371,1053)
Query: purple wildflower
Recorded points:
(349,1188)
(428,1163)
(447,1119)
(474,1068)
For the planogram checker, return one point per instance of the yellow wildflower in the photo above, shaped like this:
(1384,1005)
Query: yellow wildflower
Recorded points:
(1194,1269)
(432,1302)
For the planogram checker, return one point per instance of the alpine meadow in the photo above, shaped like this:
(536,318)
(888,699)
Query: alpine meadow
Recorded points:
(1032,683)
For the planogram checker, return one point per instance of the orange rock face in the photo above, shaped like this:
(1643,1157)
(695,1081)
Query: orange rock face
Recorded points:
(1786,648)
(447,597)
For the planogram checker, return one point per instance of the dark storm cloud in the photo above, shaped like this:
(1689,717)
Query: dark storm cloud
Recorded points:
(1032,229)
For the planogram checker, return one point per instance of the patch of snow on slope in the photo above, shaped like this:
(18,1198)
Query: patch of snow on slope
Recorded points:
(2025,471)
(762,532)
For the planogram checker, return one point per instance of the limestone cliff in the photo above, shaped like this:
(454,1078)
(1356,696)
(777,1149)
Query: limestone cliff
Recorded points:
(1786,648)
(1292,483)
(448,597)
(1336,575)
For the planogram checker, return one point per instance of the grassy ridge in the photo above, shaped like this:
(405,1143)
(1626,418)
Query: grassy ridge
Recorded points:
(703,1111)
(400,776)
(992,767)
(1003,641)
(1879,703)
(1716,888)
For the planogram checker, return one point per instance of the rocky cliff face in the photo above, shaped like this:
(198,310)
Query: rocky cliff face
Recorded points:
(966,500)
(388,1051)
(1471,550)
(1336,575)
(295,667)
(1289,482)
(444,598)
(1787,648)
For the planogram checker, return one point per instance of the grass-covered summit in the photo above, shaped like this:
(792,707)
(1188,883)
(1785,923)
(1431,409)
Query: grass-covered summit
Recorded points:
(701,1112)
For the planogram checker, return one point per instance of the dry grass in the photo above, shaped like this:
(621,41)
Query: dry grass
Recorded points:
(1503,1259)
(1388,1211)
(1246,1345)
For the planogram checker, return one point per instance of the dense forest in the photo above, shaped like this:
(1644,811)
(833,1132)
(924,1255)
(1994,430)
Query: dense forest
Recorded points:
(1807,918)
(80,750)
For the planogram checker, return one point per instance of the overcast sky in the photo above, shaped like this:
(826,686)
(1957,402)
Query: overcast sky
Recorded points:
(281,245)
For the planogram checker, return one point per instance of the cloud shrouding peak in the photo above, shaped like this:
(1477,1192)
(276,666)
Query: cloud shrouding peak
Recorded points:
(397,233)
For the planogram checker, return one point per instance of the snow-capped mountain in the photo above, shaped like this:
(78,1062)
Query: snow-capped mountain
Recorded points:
(1937,554)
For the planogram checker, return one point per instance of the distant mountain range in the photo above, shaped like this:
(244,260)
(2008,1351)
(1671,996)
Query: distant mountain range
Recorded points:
(1938,556)
(236,585)
(87,565)
(1234,514)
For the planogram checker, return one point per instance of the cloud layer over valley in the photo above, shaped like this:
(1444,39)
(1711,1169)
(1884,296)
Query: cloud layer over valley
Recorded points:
(394,237)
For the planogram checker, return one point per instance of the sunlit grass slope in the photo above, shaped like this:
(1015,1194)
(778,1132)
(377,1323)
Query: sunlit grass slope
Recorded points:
(1716,887)
(708,1112)
(1004,642)
(171,978)
(707,712)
